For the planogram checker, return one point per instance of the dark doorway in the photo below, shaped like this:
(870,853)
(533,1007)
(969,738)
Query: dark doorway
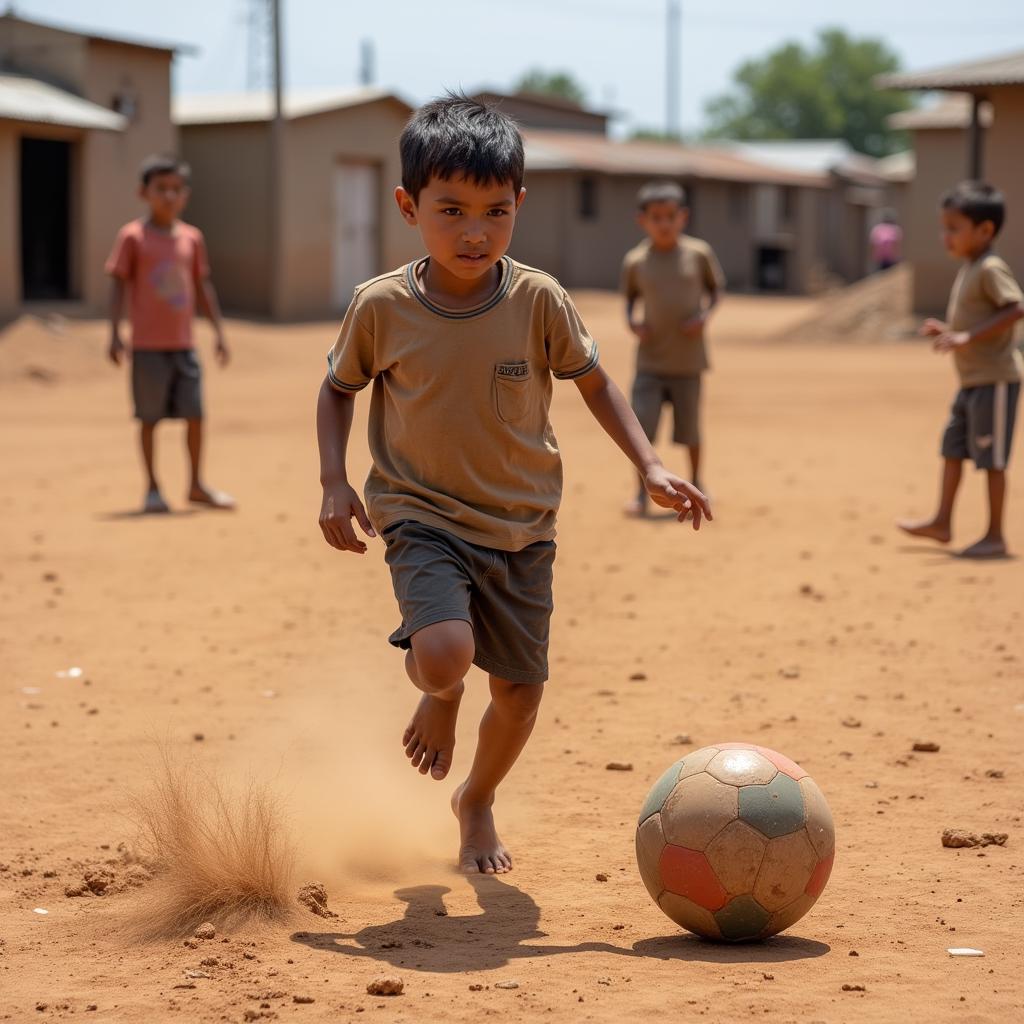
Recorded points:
(45,218)
(771,268)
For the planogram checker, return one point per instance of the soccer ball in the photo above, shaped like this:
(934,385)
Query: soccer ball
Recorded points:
(735,842)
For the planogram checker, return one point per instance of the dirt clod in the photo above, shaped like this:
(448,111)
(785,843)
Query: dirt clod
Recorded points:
(601,876)
(854,988)
(303,999)
(386,985)
(619,766)
(959,837)
(314,898)
(926,747)
(206,931)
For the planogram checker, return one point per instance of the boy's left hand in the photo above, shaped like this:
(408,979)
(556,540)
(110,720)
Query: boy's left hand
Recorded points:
(671,491)
(221,350)
(694,325)
(949,340)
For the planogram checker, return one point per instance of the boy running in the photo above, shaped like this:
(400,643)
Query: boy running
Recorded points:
(461,347)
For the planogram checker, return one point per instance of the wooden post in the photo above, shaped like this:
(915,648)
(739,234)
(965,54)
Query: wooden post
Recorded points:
(277,189)
(975,140)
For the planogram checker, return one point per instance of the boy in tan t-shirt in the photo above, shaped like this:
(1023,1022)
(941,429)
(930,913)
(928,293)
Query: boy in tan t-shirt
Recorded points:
(461,347)
(678,280)
(984,306)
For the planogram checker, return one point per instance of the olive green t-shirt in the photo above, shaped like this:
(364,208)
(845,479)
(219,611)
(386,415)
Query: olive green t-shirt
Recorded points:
(672,284)
(981,289)
(459,429)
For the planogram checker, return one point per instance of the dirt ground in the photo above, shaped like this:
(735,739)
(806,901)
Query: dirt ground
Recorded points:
(800,619)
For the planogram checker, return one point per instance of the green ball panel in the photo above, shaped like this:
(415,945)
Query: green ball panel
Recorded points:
(659,792)
(774,810)
(741,919)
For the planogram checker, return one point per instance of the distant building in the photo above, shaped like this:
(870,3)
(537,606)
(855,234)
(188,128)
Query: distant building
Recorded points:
(78,113)
(976,132)
(534,110)
(337,219)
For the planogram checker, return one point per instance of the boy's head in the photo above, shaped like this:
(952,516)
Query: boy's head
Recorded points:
(972,215)
(164,186)
(662,212)
(462,182)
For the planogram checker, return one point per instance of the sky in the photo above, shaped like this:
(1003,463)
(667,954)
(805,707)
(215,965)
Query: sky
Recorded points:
(614,48)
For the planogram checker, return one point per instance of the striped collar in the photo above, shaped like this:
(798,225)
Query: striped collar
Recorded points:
(504,283)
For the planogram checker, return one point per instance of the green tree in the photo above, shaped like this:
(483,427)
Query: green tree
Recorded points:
(560,84)
(824,92)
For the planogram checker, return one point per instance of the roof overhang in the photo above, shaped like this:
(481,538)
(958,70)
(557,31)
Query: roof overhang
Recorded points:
(37,102)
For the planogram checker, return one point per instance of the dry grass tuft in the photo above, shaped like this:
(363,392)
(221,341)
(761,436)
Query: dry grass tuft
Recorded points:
(220,856)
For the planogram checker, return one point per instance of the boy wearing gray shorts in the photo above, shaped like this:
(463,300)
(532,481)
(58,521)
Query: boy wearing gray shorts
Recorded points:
(460,349)
(678,281)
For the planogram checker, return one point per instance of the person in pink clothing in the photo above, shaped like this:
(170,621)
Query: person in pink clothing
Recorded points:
(886,242)
(160,263)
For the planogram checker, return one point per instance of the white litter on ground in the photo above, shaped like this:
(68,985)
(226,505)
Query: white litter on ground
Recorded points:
(965,951)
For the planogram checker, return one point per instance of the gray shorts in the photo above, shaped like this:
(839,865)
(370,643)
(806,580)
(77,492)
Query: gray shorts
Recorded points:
(167,385)
(504,595)
(980,425)
(651,392)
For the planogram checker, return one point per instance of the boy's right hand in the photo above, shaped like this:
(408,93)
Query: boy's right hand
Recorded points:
(116,351)
(340,505)
(932,328)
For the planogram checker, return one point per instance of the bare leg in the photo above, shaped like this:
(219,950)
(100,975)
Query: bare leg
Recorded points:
(939,527)
(504,730)
(694,450)
(992,545)
(440,656)
(197,492)
(154,500)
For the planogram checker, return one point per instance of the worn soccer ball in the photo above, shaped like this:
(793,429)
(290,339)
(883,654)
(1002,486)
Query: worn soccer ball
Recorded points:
(735,842)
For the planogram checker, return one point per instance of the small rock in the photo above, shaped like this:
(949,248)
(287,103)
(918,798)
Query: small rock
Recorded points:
(198,737)
(251,1015)
(994,773)
(637,677)
(871,785)
(601,876)
(681,739)
(926,747)
(854,988)
(190,944)
(41,1006)
(604,981)
(386,985)
(790,672)
(91,1007)
(196,974)
(619,766)
(206,931)
(314,898)
(853,952)
(303,999)
(506,984)
(209,961)
(851,723)
(767,976)
(476,988)
(79,889)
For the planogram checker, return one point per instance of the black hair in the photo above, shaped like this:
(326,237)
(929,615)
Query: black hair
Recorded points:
(978,202)
(163,163)
(455,136)
(661,192)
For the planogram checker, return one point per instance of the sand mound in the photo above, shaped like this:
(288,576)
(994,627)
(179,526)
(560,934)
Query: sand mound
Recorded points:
(878,308)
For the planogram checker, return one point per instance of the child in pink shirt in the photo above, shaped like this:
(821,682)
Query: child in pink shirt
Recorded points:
(886,240)
(163,263)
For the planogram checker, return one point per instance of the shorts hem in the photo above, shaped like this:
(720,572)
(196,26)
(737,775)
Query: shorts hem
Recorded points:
(401,638)
(513,675)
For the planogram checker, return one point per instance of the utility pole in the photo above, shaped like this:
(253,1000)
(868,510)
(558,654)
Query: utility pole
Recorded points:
(367,62)
(277,191)
(673,86)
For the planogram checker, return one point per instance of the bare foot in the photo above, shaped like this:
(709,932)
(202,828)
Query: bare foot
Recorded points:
(154,503)
(635,509)
(481,851)
(927,528)
(212,498)
(987,547)
(429,739)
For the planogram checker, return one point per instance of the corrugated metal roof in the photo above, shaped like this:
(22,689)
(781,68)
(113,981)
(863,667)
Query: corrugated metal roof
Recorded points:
(973,74)
(238,108)
(952,111)
(141,44)
(28,99)
(583,151)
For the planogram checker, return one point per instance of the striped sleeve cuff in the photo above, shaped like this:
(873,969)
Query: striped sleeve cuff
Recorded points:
(337,383)
(589,365)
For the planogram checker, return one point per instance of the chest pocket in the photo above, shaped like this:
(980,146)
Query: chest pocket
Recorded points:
(512,387)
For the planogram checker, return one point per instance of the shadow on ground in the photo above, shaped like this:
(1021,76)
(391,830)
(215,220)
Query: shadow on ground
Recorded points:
(427,938)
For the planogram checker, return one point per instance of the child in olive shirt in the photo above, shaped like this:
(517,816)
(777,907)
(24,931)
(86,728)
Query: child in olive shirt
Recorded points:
(678,280)
(460,348)
(984,306)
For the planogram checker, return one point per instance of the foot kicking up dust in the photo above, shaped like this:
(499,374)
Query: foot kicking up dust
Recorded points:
(429,739)
(480,851)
